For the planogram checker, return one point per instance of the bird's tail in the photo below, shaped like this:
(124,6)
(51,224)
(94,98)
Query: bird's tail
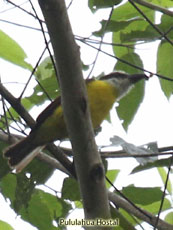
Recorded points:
(22,151)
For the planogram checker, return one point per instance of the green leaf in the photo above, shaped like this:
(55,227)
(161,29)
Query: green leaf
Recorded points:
(166,25)
(131,60)
(163,175)
(70,190)
(143,196)
(150,165)
(139,29)
(99,4)
(128,26)
(24,190)
(12,52)
(128,217)
(66,207)
(111,175)
(169,218)
(78,204)
(125,112)
(50,86)
(154,207)
(139,32)
(116,26)
(129,32)
(121,51)
(8,187)
(34,169)
(47,86)
(45,69)
(127,12)
(42,210)
(124,222)
(135,96)
(5,226)
(165,66)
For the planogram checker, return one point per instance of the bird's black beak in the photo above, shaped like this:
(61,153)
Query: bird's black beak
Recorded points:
(134,78)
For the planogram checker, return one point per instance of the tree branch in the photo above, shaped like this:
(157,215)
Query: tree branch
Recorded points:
(89,168)
(16,104)
(164,151)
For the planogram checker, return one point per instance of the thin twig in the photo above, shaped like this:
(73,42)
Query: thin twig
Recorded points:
(6,10)
(14,120)
(20,25)
(121,153)
(32,73)
(22,9)
(96,41)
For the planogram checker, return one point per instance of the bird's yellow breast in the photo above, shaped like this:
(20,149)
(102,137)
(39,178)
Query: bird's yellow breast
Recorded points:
(101,97)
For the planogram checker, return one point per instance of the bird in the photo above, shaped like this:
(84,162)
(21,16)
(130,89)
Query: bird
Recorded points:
(50,125)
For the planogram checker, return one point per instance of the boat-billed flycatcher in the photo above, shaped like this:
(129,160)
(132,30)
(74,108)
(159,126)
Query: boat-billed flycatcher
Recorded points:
(50,125)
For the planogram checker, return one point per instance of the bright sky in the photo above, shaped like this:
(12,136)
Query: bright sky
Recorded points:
(153,121)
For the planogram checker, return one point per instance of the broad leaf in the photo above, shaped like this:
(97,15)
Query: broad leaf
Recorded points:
(46,88)
(12,52)
(128,217)
(5,226)
(45,69)
(143,196)
(24,190)
(127,11)
(70,190)
(42,210)
(165,66)
(169,218)
(129,104)
(99,4)
(154,207)
(111,175)
(163,174)
(124,222)
(166,25)
(9,191)
(34,169)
